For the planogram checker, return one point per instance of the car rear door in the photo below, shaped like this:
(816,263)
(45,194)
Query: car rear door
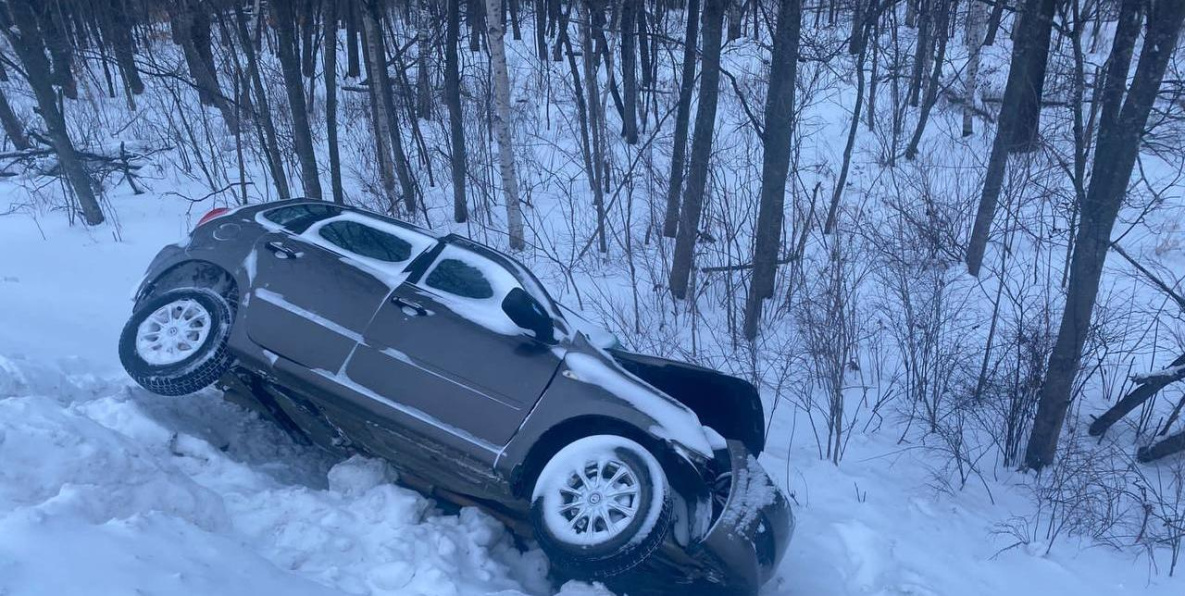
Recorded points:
(442,349)
(314,291)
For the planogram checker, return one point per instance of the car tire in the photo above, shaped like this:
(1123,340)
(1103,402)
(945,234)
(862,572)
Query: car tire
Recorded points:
(600,507)
(175,342)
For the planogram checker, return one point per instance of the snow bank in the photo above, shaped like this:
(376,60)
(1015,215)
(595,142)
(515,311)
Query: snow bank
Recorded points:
(107,489)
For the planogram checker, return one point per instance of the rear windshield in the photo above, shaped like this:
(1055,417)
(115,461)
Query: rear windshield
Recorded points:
(298,218)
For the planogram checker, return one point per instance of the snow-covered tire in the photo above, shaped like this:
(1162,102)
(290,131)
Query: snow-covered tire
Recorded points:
(175,343)
(618,489)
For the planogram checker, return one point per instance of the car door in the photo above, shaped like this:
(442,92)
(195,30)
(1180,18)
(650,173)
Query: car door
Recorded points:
(317,284)
(442,349)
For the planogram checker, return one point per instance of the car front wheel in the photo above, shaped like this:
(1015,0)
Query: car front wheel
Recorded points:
(175,343)
(601,506)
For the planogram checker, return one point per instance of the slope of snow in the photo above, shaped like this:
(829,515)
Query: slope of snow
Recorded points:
(105,488)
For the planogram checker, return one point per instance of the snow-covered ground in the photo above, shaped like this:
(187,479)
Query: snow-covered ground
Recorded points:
(107,489)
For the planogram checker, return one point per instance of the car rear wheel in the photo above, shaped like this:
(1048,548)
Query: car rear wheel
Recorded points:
(175,343)
(601,506)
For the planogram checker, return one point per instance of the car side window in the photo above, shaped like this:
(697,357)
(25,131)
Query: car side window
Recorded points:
(298,218)
(366,241)
(456,277)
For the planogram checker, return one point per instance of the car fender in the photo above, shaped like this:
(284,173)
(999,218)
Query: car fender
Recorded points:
(729,405)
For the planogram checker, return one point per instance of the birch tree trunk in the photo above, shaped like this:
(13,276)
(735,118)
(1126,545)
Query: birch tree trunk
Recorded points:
(379,109)
(502,123)
(975,37)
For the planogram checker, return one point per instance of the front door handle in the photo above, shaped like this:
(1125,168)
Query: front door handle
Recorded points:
(283,252)
(408,305)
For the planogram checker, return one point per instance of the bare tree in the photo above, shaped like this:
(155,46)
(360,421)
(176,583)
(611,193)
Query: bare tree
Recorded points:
(1019,114)
(190,24)
(701,149)
(25,36)
(285,21)
(335,166)
(452,97)
(682,118)
(263,115)
(1121,127)
(495,31)
(629,70)
(423,50)
(776,137)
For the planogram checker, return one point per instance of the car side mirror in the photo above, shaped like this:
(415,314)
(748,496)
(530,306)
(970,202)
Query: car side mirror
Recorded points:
(526,312)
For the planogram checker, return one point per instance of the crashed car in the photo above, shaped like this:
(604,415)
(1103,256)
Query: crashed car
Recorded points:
(365,334)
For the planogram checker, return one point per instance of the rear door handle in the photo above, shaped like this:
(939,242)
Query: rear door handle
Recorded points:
(280,251)
(407,305)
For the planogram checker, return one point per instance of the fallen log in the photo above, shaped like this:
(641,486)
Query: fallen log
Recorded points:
(1149,385)
(1173,444)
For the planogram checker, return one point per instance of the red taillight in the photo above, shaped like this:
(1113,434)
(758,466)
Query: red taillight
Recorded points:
(211,215)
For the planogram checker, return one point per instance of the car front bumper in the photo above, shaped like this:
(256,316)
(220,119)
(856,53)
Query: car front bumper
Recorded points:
(747,541)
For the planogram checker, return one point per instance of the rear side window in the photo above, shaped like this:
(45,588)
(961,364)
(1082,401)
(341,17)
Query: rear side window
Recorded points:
(364,240)
(460,279)
(298,218)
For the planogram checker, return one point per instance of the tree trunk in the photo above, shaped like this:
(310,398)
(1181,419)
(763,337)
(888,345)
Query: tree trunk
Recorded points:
(857,24)
(940,24)
(452,96)
(629,71)
(779,130)
(701,149)
(353,68)
(1142,393)
(117,29)
(541,29)
(263,113)
(974,46)
(474,17)
(423,50)
(1120,131)
(1173,444)
(57,40)
(1018,91)
(335,167)
(12,126)
(922,51)
(735,18)
(502,123)
(993,25)
(596,114)
(25,36)
(682,115)
(285,22)
(386,119)
(842,181)
(1036,28)
(191,30)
